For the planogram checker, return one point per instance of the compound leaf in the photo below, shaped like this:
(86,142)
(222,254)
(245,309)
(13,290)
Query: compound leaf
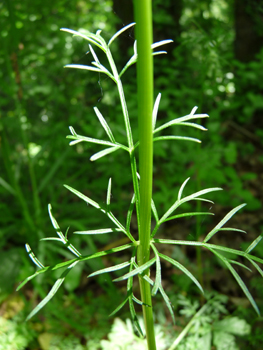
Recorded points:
(222,222)
(136,271)
(183,269)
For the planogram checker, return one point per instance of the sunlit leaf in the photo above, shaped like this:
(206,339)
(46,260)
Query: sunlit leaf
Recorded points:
(33,257)
(139,302)
(239,264)
(136,271)
(130,297)
(129,214)
(154,210)
(182,188)
(78,259)
(208,245)
(254,243)
(120,32)
(51,239)
(134,317)
(119,306)
(187,214)
(164,295)
(256,266)
(200,193)
(222,222)
(62,238)
(104,153)
(204,200)
(104,124)
(52,292)
(183,269)
(156,53)
(90,37)
(72,130)
(168,303)
(158,277)
(155,110)
(94,54)
(118,224)
(110,269)
(172,137)
(98,232)
(178,121)
(104,70)
(108,194)
(82,66)
(56,225)
(80,138)
(238,279)
(131,61)
(82,196)
(29,278)
(193,110)
(194,125)
(134,58)
(177,242)
(231,229)
(160,43)
(135,48)
(194,196)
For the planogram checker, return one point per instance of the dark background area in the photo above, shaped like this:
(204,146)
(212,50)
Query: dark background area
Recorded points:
(215,63)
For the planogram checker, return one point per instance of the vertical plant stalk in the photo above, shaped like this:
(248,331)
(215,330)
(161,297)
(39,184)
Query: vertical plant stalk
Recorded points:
(143,31)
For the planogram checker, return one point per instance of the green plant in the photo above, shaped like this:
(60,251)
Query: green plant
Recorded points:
(122,337)
(14,334)
(207,327)
(140,262)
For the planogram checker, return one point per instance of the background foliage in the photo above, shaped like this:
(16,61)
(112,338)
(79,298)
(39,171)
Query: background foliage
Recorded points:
(214,63)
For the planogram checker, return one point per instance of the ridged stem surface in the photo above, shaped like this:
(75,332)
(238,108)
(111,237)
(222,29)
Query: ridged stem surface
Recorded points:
(143,31)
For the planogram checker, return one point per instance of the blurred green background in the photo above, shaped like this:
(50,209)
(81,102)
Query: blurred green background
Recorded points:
(215,63)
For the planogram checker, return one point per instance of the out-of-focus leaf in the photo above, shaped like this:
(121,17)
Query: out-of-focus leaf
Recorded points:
(238,279)
(52,292)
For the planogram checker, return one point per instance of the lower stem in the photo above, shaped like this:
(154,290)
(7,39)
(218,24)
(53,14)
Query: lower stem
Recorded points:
(147,313)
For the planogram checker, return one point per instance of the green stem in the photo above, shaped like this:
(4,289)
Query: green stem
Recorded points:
(143,19)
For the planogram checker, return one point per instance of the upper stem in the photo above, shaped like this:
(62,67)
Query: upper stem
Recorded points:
(143,31)
(143,15)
